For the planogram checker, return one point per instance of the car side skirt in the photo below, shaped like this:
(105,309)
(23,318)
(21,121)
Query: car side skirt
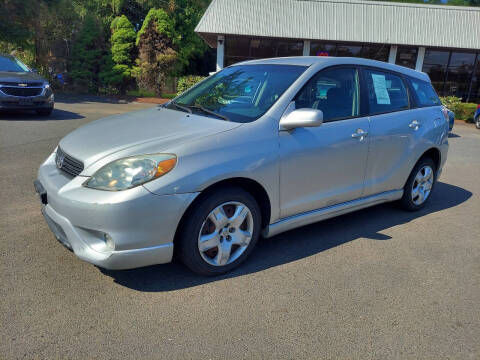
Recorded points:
(313,216)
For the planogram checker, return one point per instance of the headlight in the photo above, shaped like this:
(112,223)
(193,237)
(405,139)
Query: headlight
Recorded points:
(46,85)
(129,172)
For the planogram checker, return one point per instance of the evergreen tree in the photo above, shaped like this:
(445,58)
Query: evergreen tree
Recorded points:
(87,55)
(156,42)
(117,65)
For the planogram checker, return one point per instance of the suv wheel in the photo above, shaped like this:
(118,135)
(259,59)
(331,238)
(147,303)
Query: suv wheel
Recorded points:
(419,186)
(220,231)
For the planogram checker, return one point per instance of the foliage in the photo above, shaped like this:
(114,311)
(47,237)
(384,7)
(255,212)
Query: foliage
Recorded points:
(463,111)
(186,15)
(186,82)
(87,55)
(156,41)
(117,64)
(451,102)
(122,40)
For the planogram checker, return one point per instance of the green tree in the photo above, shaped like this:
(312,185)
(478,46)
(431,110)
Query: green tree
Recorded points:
(156,42)
(87,55)
(186,15)
(117,64)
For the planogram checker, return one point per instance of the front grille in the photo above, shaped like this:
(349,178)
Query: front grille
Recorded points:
(18,91)
(12,83)
(67,163)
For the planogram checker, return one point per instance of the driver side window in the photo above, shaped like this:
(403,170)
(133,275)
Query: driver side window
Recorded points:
(334,91)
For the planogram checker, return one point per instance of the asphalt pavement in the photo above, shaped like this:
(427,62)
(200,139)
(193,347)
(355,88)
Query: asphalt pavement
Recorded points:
(379,283)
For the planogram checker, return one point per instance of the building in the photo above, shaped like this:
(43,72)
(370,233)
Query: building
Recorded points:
(442,41)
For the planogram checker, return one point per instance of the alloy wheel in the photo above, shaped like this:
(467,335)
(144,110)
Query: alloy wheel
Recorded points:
(422,185)
(225,233)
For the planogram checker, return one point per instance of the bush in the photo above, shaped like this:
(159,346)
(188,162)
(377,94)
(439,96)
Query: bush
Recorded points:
(186,82)
(463,111)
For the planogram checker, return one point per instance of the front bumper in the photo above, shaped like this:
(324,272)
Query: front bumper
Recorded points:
(141,224)
(43,101)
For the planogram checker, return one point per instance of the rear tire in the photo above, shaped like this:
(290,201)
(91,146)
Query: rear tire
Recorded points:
(477,122)
(220,231)
(44,112)
(420,184)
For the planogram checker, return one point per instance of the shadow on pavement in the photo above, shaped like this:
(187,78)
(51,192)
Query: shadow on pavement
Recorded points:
(26,115)
(295,244)
(452,135)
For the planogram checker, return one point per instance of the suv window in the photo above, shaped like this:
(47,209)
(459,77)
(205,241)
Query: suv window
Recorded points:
(334,91)
(424,93)
(386,92)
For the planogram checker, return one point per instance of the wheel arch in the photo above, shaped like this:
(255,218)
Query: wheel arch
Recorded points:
(251,186)
(434,154)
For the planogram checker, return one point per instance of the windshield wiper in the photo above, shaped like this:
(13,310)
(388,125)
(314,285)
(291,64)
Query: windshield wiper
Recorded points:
(181,107)
(207,111)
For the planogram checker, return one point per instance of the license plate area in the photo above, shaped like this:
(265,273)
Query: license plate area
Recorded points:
(25,102)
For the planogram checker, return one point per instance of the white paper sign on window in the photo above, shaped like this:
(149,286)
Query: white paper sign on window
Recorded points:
(380,87)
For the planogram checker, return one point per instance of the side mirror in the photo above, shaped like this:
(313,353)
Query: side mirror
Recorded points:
(302,118)
(35,70)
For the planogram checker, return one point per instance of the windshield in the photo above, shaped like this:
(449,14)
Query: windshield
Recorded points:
(240,93)
(11,64)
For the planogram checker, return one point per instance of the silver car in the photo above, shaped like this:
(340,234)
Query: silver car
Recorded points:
(258,148)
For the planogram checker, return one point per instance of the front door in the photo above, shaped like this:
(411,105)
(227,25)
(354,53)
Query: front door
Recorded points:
(325,165)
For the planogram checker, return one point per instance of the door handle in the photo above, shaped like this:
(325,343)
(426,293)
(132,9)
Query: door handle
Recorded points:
(414,125)
(359,134)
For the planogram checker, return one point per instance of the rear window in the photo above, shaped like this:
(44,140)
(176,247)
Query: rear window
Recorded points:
(386,92)
(424,93)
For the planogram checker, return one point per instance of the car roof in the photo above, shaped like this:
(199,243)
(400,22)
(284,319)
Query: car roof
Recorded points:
(332,60)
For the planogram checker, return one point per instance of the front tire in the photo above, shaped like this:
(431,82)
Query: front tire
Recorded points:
(220,231)
(419,186)
(477,122)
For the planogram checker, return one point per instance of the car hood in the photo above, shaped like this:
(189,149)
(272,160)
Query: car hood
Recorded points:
(20,77)
(147,131)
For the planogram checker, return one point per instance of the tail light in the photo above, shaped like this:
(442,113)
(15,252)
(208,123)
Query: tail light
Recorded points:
(445,113)
(478,106)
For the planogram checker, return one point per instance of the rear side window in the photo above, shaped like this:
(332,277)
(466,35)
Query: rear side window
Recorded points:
(424,93)
(386,92)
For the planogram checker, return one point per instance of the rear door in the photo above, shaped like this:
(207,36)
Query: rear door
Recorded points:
(395,128)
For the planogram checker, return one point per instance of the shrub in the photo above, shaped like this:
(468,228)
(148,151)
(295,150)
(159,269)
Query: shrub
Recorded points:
(463,111)
(186,82)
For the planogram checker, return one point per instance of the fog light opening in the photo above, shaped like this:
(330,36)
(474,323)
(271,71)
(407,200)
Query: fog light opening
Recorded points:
(109,242)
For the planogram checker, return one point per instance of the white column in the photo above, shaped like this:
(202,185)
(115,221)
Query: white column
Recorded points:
(420,57)
(306,47)
(393,54)
(220,51)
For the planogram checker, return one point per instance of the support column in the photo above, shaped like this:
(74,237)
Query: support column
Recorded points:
(306,47)
(220,51)
(420,57)
(393,54)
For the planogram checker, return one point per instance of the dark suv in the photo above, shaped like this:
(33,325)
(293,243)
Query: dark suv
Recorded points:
(23,89)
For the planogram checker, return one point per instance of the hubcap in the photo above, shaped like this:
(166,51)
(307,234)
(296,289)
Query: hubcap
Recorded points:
(225,233)
(422,185)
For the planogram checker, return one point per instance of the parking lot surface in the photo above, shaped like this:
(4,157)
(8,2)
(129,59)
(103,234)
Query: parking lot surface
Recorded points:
(375,284)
